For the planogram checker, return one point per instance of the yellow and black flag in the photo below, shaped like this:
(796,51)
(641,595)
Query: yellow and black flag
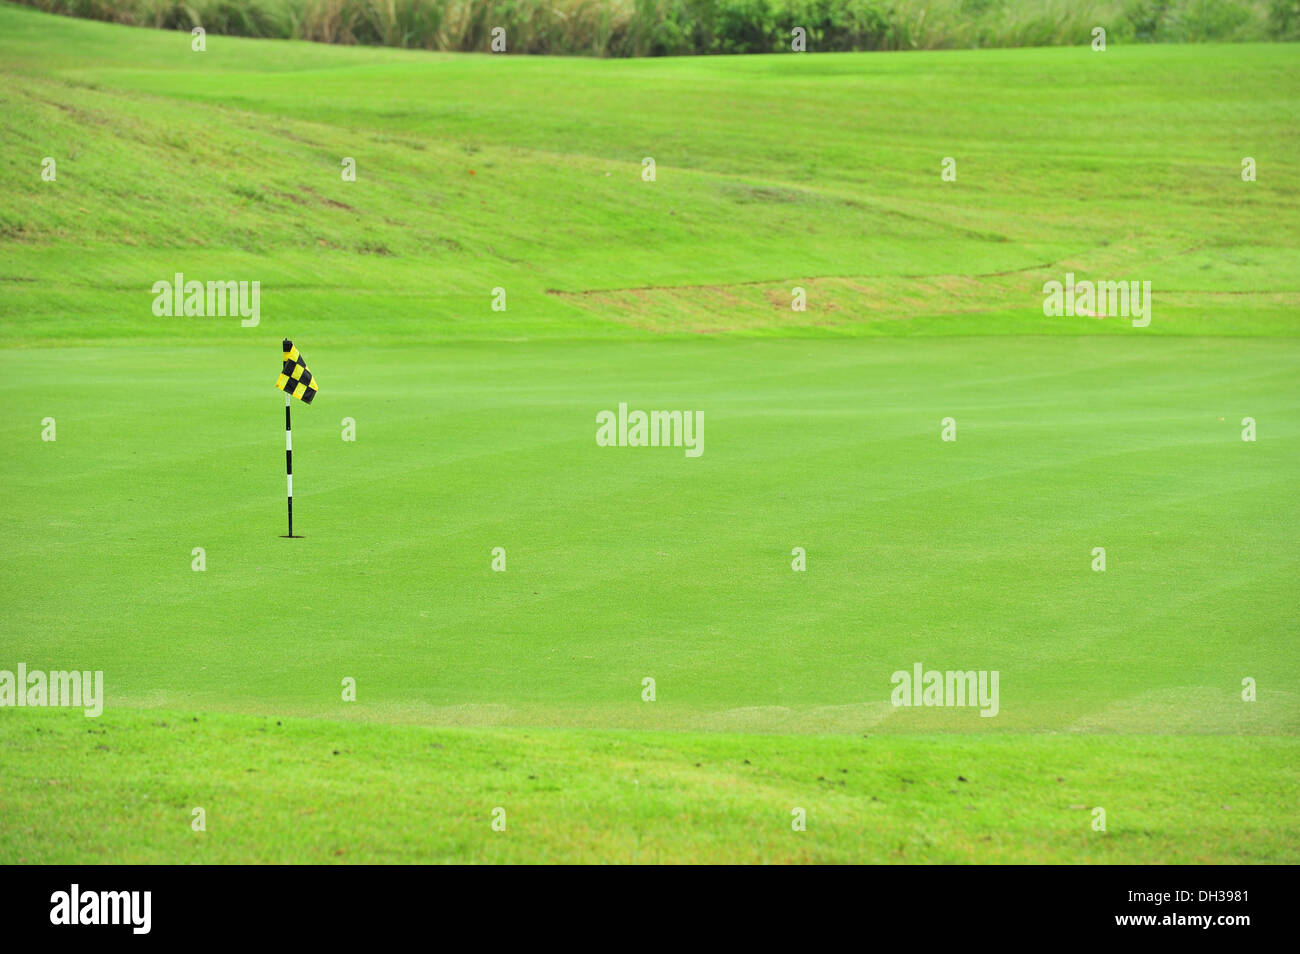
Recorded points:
(296,382)
(295,379)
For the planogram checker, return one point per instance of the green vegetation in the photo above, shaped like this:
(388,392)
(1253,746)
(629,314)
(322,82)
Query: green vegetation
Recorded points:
(475,430)
(124,787)
(679,27)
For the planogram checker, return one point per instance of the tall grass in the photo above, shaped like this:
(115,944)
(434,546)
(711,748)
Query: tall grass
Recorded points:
(677,27)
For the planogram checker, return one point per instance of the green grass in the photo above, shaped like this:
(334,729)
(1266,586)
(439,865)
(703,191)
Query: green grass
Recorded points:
(475,429)
(283,790)
(478,172)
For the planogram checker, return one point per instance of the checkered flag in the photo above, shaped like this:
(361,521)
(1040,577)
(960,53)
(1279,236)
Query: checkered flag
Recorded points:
(295,379)
(296,382)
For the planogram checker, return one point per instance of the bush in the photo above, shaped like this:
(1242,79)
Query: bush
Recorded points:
(680,27)
(1284,19)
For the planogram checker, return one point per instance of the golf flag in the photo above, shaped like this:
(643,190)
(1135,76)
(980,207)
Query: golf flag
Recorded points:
(296,382)
(295,379)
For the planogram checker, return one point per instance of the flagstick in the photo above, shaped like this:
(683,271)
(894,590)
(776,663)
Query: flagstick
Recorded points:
(288,456)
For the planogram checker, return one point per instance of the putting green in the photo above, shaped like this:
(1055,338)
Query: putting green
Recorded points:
(475,429)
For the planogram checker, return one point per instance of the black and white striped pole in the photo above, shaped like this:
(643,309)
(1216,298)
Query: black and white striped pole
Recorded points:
(288,456)
(295,380)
